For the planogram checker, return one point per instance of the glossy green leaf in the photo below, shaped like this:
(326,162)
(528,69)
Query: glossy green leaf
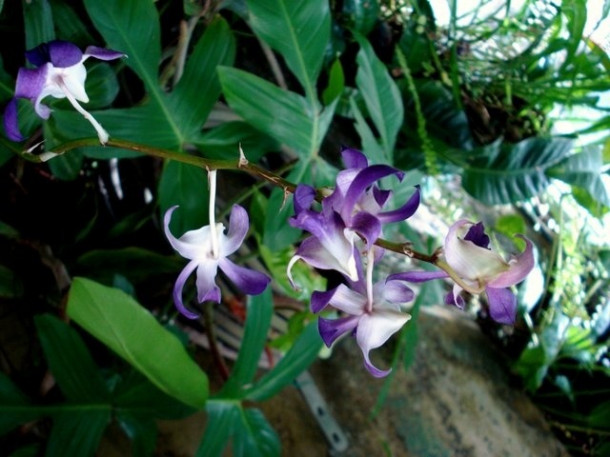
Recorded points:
(222,421)
(282,115)
(186,186)
(584,170)
(299,30)
(258,320)
(371,147)
(77,433)
(223,141)
(133,28)
(300,356)
(336,83)
(38,19)
(513,172)
(70,361)
(250,433)
(381,96)
(200,80)
(68,24)
(101,85)
(362,15)
(15,408)
(133,333)
(67,167)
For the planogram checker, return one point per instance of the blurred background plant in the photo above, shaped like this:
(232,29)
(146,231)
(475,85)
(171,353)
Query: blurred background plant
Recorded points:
(499,109)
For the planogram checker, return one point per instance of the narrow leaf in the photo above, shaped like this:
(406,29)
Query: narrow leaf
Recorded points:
(258,320)
(77,433)
(132,332)
(222,420)
(254,436)
(15,407)
(38,19)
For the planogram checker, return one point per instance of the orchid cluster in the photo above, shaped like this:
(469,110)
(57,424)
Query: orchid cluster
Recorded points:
(343,236)
(60,73)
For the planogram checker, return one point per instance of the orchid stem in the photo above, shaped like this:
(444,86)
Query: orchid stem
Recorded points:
(214,164)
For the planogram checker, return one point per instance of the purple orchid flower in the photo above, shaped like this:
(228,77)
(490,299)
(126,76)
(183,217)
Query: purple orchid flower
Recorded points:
(373,314)
(59,73)
(476,269)
(208,248)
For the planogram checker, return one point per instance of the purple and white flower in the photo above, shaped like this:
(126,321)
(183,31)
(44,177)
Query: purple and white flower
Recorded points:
(474,267)
(59,73)
(208,248)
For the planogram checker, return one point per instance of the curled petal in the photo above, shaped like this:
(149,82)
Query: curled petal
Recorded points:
(362,181)
(352,158)
(502,305)
(331,329)
(11,123)
(179,285)
(455,297)
(249,281)
(238,229)
(102,53)
(518,268)
(469,260)
(194,243)
(30,82)
(405,211)
(374,330)
(418,276)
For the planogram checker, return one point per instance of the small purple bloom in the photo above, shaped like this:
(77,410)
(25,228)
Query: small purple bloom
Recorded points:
(477,268)
(208,249)
(373,315)
(59,73)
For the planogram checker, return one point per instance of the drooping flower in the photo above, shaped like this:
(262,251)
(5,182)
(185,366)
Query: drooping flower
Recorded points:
(373,313)
(208,248)
(476,268)
(59,73)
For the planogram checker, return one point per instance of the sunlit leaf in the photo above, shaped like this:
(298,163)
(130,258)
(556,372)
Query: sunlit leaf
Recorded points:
(133,333)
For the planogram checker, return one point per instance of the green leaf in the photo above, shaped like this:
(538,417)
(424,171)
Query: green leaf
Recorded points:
(69,26)
(600,416)
(584,170)
(141,430)
(282,115)
(300,356)
(252,435)
(371,147)
(223,141)
(299,30)
(69,360)
(66,167)
(513,172)
(576,12)
(200,80)
(186,186)
(361,14)
(132,332)
(258,320)
(38,19)
(77,433)
(11,285)
(15,407)
(381,96)
(336,83)
(101,85)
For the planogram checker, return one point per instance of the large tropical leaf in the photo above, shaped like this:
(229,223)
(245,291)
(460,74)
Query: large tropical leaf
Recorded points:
(133,333)
(506,173)
(299,30)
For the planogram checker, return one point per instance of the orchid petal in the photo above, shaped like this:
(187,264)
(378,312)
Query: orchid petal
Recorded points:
(304,196)
(381,196)
(477,235)
(238,229)
(352,158)
(374,330)
(405,211)
(518,268)
(347,300)
(319,299)
(455,297)
(179,285)
(469,260)
(418,276)
(30,82)
(362,181)
(71,79)
(61,54)
(502,305)
(11,123)
(331,329)
(207,290)
(249,281)
(396,292)
(102,53)
(193,243)
(368,226)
